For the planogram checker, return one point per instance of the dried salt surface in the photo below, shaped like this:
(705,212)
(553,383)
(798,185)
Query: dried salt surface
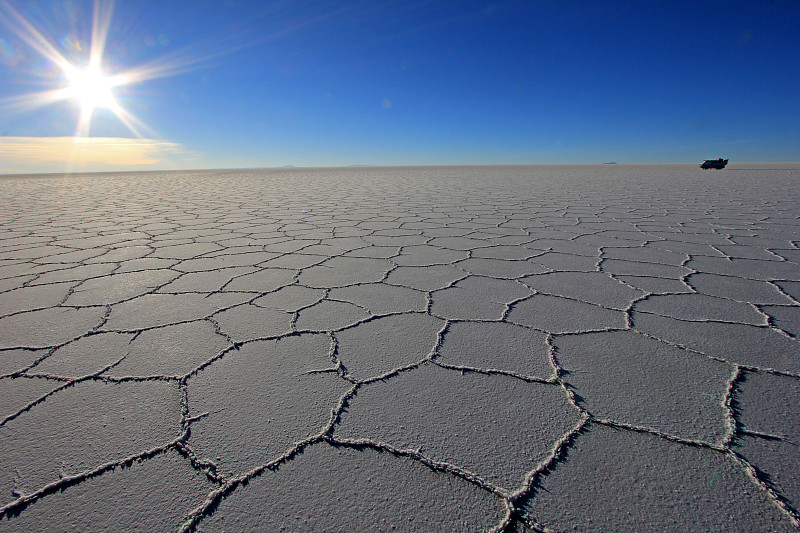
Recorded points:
(555,314)
(170,351)
(506,252)
(743,344)
(158,310)
(294,261)
(559,241)
(646,255)
(261,400)
(787,318)
(376,252)
(78,273)
(592,287)
(79,428)
(699,307)
(203,281)
(497,346)
(375,348)
(250,322)
(328,315)
(343,271)
(185,251)
(13,361)
(268,279)
(214,261)
(85,355)
(746,268)
(508,348)
(744,290)
(144,264)
(14,283)
(424,255)
(496,427)
(658,485)
(767,407)
(792,288)
(35,297)
(380,492)
(500,268)
(777,461)
(143,495)
(476,298)
(655,285)
(291,298)
(425,278)
(19,393)
(776,398)
(621,267)
(620,375)
(379,298)
(118,287)
(118,255)
(566,262)
(48,327)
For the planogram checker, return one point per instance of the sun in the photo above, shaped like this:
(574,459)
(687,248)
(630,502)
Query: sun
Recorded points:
(90,80)
(91,88)
(88,83)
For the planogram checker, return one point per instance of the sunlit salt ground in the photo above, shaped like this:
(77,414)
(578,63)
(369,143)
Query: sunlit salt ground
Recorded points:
(529,348)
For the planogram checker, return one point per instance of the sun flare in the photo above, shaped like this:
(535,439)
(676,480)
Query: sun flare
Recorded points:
(90,79)
(87,83)
(91,88)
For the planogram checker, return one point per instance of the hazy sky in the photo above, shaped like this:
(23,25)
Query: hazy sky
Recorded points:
(235,83)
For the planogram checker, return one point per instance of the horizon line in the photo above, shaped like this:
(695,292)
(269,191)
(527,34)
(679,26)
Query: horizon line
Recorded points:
(357,166)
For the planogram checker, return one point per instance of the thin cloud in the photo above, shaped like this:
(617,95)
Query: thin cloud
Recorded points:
(64,154)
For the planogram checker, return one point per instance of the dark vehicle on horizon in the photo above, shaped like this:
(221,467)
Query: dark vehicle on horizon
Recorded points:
(719,164)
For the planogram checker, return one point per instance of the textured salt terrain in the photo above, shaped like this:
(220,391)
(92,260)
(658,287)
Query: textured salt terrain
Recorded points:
(580,348)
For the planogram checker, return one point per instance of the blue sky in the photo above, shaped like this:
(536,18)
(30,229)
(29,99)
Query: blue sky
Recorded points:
(234,84)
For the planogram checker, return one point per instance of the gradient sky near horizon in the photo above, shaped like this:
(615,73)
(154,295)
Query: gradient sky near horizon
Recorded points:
(240,84)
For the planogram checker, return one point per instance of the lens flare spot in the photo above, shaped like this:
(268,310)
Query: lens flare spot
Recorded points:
(8,56)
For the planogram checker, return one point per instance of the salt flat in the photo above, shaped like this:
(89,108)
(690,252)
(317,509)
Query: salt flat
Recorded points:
(519,348)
